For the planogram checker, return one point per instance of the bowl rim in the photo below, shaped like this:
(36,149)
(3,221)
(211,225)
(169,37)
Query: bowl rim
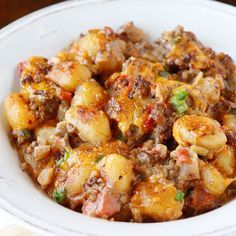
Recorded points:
(19,215)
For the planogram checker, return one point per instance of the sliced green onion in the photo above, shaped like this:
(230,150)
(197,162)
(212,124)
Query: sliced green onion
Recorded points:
(178,100)
(179,197)
(181,94)
(181,108)
(66,155)
(59,195)
(63,159)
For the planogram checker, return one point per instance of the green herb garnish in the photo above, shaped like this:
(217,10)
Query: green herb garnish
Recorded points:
(59,195)
(164,74)
(182,108)
(178,99)
(121,137)
(63,159)
(179,197)
(98,159)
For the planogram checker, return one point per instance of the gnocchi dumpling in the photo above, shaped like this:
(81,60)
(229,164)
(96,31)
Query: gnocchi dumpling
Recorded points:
(45,176)
(28,90)
(155,200)
(69,75)
(85,154)
(213,180)
(135,67)
(225,160)
(33,70)
(92,125)
(118,171)
(200,131)
(101,50)
(89,93)
(18,115)
(76,177)
(199,150)
(44,132)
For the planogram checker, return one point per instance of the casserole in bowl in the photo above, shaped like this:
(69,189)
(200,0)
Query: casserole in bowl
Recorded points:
(53,36)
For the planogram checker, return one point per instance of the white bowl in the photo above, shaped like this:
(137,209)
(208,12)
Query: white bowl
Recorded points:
(49,30)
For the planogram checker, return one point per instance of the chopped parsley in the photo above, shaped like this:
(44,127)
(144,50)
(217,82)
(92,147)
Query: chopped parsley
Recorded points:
(178,100)
(179,197)
(59,195)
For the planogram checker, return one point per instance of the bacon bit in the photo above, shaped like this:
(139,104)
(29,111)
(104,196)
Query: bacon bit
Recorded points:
(183,156)
(105,206)
(108,205)
(64,95)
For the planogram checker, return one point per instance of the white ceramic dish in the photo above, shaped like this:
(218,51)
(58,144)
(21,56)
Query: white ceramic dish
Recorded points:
(49,30)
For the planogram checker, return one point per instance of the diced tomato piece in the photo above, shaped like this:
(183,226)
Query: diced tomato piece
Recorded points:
(149,124)
(64,95)
(183,156)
